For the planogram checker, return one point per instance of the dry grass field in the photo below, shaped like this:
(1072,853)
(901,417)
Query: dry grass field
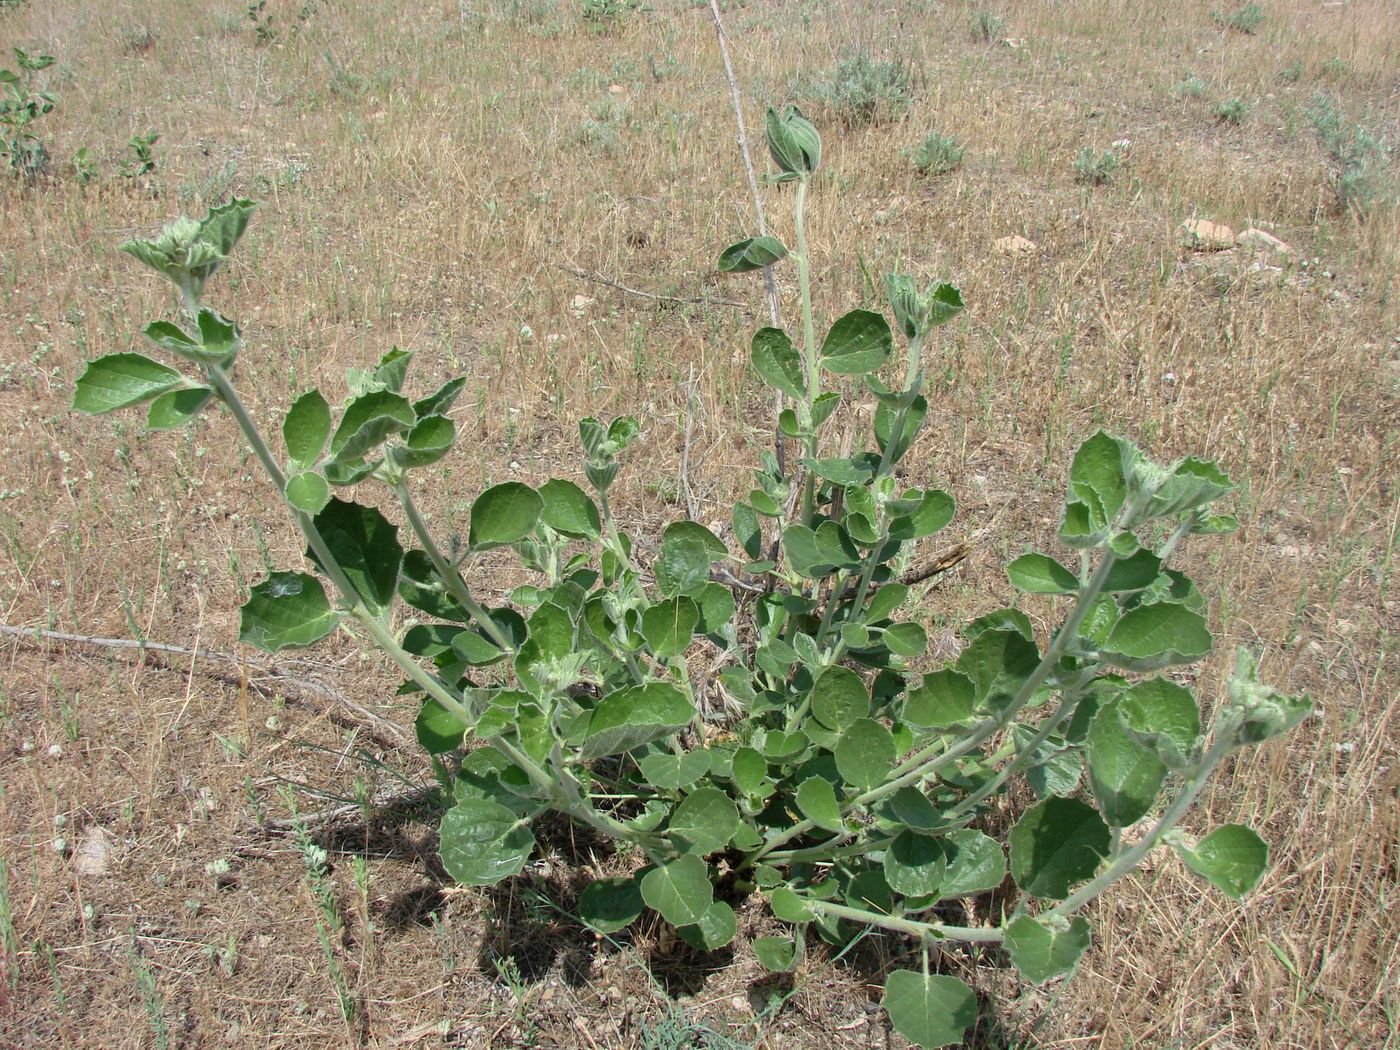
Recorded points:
(535,199)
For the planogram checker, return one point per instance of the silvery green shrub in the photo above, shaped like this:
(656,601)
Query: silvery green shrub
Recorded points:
(846,783)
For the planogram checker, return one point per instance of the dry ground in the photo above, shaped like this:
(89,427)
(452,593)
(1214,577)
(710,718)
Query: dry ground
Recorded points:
(429,173)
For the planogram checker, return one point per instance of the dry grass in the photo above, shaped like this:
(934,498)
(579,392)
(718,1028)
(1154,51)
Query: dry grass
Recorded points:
(423,169)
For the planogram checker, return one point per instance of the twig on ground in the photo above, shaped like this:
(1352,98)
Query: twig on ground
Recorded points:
(707,300)
(283,674)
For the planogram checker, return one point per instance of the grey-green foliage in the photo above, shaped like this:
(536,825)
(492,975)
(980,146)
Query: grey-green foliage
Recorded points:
(1245,19)
(852,783)
(1096,167)
(987,27)
(937,154)
(21,106)
(862,90)
(1232,111)
(1360,162)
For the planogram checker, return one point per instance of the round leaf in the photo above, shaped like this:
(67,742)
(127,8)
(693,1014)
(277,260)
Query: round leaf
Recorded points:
(504,514)
(1231,858)
(752,253)
(1057,844)
(608,905)
(865,754)
(1041,574)
(816,798)
(287,609)
(929,1009)
(1043,949)
(704,822)
(308,492)
(857,343)
(482,842)
(775,954)
(680,890)
(914,865)
(1125,775)
(568,510)
(839,697)
(438,729)
(715,929)
(366,545)
(175,408)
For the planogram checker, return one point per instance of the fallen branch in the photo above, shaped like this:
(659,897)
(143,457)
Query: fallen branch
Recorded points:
(705,300)
(280,673)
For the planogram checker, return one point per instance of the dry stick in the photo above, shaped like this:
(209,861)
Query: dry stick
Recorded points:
(655,296)
(309,685)
(769,283)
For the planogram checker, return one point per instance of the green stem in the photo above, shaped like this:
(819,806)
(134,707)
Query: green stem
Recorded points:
(922,930)
(809,349)
(450,576)
(1128,860)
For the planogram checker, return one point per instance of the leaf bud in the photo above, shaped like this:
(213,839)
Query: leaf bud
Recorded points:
(793,142)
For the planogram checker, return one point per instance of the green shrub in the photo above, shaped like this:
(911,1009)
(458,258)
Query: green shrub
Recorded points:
(859,90)
(1361,169)
(1096,167)
(937,154)
(987,28)
(1245,20)
(1232,111)
(852,785)
(21,106)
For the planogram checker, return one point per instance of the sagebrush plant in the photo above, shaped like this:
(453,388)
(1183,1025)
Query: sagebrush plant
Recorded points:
(1361,171)
(1232,111)
(862,90)
(757,719)
(937,154)
(21,106)
(1096,167)
(1244,20)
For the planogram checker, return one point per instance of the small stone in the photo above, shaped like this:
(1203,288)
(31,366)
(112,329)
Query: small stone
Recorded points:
(580,303)
(94,853)
(1260,241)
(1013,245)
(616,89)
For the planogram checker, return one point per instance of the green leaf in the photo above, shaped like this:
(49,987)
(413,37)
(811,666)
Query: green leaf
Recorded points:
(482,842)
(793,142)
(1133,574)
(693,532)
(430,439)
(929,1009)
(911,806)
(748,770)
(905,640)
(609,905)
(788,906)
(175,408)
(775,954)
(1041,574)
(504,514)
(1098,478)
(218,337)
(857,343)
(680,890)
(392,369)
(120,380)
(1055,845)
(972,862)
(839,698)
(747,529)
(438,729)
(1194,483)
(1153,636)
(306,428)
(1125,775)
(816,798)
(752,253)
(998,661)
(440,402)
(671,772)
(715,929)
(366,422)
(631,717)
(223,227)
(668,627)
(569,511)
(704,822)
(286,610)
(914,864)
(1046,947)
(1232,858)
(936,509)
(865,753)
(308,492)
(1164,718)
(840,471)
(716,605)
(942,700)
(366,546)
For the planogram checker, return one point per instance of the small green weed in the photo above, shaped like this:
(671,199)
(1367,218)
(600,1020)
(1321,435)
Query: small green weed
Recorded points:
(937,154)
(21,106)
(1245,20)
(1232,111)
(987,28)
(1192,87)
(609,13)
(1361,173)
(861,90)
(1096,167)
(151,999)
(142,160)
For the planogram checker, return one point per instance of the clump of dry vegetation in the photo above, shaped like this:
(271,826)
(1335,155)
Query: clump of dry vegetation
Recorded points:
(162,808)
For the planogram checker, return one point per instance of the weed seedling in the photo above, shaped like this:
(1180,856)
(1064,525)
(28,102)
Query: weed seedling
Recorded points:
(1096,167)
(937,154)
(21,106)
